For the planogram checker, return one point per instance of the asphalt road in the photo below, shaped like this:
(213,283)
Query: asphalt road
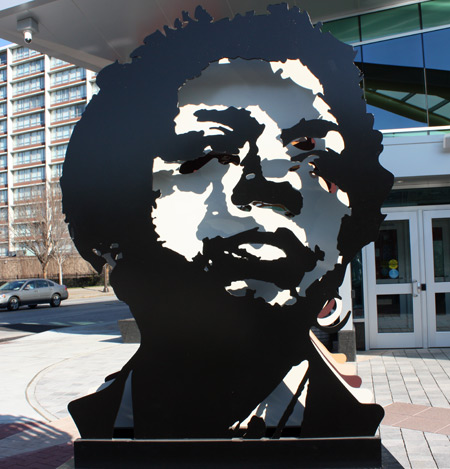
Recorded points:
(82,312)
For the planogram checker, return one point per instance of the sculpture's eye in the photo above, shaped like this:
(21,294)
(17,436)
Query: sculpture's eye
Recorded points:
(304,143)
(194,165)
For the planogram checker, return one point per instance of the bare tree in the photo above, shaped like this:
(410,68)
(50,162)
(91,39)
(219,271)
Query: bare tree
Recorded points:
(39,228)
(63,246)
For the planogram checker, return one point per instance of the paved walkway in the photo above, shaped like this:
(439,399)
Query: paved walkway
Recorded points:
(41,373)
(414,388)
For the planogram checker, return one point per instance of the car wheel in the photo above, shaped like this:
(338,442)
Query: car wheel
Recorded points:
(32,306)
(13,303)
(55,300)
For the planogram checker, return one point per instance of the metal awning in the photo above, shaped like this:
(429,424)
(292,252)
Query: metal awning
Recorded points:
(94,33)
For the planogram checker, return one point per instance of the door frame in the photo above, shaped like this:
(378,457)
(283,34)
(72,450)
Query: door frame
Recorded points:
(396,339)
(423,216)
(435,338)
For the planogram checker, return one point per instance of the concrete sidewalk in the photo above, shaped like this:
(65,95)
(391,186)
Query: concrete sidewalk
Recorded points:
(41,373)
(89,292)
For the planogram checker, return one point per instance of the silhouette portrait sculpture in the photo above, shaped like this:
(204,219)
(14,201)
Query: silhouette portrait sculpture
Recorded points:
(229,174)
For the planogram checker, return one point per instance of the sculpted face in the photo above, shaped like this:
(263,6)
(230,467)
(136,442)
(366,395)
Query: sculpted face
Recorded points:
(250,208)
(242,220)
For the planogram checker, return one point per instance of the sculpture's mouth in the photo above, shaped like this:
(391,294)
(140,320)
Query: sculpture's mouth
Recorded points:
(264,252)
(278,257)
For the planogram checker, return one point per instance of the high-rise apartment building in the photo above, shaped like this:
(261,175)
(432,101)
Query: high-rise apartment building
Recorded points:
(41,100)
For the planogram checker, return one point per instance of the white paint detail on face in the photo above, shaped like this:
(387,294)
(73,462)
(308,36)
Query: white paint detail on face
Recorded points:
(269,292)
(264,251)
(198,205)
(174,209)
(237,288)
(185,121)
(244,83)
(275,158)
(299,74)
(334,141)
(343,198)
(324,110)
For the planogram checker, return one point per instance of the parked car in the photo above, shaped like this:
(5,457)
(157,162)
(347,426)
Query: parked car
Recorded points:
(31,292)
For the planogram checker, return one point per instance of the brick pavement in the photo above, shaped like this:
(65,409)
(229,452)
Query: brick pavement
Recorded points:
(414,387)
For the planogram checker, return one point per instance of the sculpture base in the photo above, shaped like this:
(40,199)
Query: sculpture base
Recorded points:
(235,453)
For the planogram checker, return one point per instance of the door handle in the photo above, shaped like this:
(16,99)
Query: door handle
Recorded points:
(416,288)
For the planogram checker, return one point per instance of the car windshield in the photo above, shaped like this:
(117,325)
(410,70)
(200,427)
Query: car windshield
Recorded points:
(13,285)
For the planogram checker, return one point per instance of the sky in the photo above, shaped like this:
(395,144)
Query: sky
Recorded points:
(3,42)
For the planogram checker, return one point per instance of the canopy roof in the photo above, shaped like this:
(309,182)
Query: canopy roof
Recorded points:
(93,34)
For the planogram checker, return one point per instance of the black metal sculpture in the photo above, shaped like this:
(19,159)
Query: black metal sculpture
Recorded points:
(228,126)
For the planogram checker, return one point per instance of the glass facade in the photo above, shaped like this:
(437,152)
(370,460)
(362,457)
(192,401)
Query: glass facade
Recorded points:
(418,197)
(406,79)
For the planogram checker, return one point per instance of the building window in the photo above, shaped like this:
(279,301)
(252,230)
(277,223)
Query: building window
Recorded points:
(23,230)
(23,53)
(2,92)
(3,251)
(3,161)
(57,170)
(28,175)
(68,112)
(26,104)
(3,179)
(30,138)
(54,62)
(66,76)
(3,214)
(28,67)
(30,156)
(3,232)
(3,197)
(23,212)
(3,75)
(28,193)
(62,132)
(27,86)
(397,99)
(59,151)
(2,109)
(69,94)
(2,127)
(2,144)
(437,63)
(30,120)
(3,58)
(346,29)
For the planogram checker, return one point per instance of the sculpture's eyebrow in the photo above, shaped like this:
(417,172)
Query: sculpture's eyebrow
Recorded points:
(308,128)
(216,117)
(231,117)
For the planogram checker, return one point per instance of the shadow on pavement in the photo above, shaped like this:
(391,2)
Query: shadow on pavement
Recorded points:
(26,442)
(388,460)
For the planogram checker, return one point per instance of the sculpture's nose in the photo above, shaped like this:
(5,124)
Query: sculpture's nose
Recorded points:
(253,189)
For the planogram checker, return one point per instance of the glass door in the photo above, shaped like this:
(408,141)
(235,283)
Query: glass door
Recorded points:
(437,265)
(394,287)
